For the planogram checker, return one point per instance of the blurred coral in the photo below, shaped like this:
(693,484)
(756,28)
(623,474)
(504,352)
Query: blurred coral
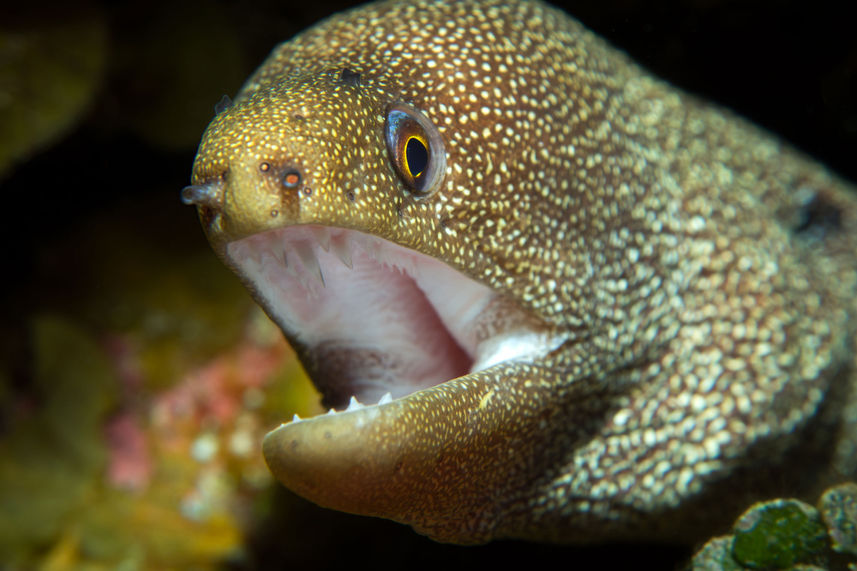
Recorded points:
(136,442)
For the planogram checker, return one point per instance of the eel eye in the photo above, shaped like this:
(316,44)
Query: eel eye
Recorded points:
(416,149)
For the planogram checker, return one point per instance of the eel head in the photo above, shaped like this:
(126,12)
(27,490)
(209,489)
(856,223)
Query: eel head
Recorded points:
(338,199)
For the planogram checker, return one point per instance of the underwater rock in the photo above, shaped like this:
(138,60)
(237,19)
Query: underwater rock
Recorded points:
(778,534)
(838,507)
(716,555)
(789,534)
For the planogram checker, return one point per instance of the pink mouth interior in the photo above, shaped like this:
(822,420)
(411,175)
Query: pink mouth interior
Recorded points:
(379,317)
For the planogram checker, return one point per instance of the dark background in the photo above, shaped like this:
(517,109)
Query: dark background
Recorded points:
(789,66)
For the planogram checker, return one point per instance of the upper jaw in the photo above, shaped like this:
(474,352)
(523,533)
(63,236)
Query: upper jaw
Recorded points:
(370,317)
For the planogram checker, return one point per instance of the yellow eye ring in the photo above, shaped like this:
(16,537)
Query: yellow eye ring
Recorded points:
(416,149)
(415,156)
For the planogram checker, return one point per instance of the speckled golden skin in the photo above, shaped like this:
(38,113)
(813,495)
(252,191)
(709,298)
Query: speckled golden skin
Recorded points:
(710,330)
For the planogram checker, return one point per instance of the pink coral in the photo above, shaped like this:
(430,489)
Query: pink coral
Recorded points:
(130,465)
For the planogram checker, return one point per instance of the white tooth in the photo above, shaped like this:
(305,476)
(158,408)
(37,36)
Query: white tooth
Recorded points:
(375,252)
(271,265)
(241,252)
(386,398)
(353,404)
(291,269)
(322,236)
(331,411)
(268,258)
(296,418)
(363,242)
(342,249)
(310,262)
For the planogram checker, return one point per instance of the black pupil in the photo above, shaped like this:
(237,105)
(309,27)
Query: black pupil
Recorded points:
(416,155)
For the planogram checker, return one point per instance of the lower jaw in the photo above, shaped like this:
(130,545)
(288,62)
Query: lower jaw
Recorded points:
(425,460)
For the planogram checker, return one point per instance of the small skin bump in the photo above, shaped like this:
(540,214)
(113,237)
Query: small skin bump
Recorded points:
(701,275)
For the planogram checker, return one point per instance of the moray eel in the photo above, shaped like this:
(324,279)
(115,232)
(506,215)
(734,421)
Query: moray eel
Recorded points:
(570,302)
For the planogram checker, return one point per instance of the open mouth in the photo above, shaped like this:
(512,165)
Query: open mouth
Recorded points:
(374,321)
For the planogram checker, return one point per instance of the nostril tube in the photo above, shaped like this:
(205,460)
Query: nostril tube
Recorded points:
(202,195)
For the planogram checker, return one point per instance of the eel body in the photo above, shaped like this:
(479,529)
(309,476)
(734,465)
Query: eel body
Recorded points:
(591,306)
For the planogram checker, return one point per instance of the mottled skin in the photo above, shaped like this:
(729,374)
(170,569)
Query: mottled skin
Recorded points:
(701,274)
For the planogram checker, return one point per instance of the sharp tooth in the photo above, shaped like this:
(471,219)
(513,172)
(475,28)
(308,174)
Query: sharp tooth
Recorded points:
(266,258)
(353,404)
(386,398)
(240,251)
(374,251)
(363,242)
(322,236)
(310,262)
(270,262)
(296,418)
(331,411)
(342,249)
(251,254)
(291,269)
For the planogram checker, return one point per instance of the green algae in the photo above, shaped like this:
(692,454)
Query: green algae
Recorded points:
(778,534)
(148,530)
(789,534)
(52,458)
